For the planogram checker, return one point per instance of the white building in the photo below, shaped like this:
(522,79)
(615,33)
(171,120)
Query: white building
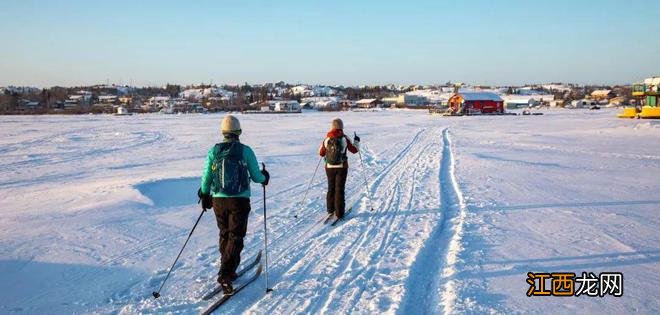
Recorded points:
(122,111)
(302,90)
(82,98)
(414,99)
(287,106)
(518,101)
(162,102)
(322,102)
(526,100)
(367,103)
(107,99)
(418,98)
(583,103)
(327,104)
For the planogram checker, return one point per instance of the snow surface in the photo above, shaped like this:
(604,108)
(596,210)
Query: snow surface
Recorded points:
(95,208)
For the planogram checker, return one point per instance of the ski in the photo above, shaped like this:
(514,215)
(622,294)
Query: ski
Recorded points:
(342,219)
(241,272)
(225,298)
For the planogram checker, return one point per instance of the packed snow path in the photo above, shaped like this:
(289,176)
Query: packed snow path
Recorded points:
(362,264)
(94,209)
(432,290)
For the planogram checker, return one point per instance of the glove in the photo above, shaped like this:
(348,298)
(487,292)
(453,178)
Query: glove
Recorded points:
(205,199)
(267,175)
(356,138)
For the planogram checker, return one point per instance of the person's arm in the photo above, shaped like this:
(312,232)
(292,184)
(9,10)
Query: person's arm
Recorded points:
(322,148)
(207,175)
(353,148)
(253,165)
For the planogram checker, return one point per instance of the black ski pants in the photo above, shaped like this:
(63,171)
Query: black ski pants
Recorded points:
(231,215)
(336,185)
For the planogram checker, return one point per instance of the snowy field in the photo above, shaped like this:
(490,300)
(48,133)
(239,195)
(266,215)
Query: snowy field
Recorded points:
(93,210)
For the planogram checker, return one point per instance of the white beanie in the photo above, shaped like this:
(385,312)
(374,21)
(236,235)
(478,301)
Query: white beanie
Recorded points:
(230,124)
(337,124)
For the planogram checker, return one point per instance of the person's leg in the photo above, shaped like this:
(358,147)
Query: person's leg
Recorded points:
(238,222)
(222,219)
(340,186)
(330,196)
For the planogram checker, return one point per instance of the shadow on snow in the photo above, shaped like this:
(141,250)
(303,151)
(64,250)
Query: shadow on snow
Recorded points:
(171,192)
(44,287)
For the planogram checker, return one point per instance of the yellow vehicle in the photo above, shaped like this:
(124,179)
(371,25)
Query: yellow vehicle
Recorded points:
(649,93)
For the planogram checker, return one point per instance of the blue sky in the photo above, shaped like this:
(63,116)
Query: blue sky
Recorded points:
(48,43)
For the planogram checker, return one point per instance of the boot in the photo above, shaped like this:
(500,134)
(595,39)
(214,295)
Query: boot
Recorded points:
(227,288)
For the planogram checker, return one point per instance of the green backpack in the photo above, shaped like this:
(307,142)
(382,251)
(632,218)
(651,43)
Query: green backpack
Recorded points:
(334,151)
(230,171)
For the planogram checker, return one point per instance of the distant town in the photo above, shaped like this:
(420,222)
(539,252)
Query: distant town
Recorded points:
(284,97)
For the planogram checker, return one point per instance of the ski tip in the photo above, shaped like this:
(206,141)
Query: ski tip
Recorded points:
(269,290)
(155,294)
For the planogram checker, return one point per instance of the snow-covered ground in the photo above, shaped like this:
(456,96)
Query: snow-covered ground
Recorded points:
(93,209)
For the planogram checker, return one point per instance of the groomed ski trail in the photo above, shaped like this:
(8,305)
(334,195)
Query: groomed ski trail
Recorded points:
(457,211)
(362,264)
(432,283)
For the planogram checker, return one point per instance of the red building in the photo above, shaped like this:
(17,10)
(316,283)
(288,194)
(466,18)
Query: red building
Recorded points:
(476,103)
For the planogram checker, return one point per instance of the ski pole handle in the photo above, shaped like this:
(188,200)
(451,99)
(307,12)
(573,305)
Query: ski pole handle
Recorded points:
(265,173)
(355,136)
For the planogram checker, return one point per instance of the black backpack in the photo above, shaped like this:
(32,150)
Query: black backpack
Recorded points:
(230,172)
(334,151)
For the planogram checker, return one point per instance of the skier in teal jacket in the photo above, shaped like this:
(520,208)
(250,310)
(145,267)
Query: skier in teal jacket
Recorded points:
(225,187)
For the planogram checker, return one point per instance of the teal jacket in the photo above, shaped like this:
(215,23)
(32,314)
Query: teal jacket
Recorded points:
(253,169)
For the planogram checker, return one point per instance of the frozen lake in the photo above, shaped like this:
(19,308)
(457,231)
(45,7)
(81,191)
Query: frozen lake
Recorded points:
(93,209)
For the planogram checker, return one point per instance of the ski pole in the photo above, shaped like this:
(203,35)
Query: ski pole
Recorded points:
(156,294)
(310,184)
(263,167)
(364,174)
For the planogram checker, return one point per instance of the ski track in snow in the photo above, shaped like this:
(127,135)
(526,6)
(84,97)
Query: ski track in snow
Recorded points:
(455,204)
(429,291)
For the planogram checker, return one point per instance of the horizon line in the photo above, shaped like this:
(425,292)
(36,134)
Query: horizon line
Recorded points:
(153,85)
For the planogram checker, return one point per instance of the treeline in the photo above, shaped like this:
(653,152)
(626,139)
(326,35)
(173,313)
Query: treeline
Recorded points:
(242,97)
